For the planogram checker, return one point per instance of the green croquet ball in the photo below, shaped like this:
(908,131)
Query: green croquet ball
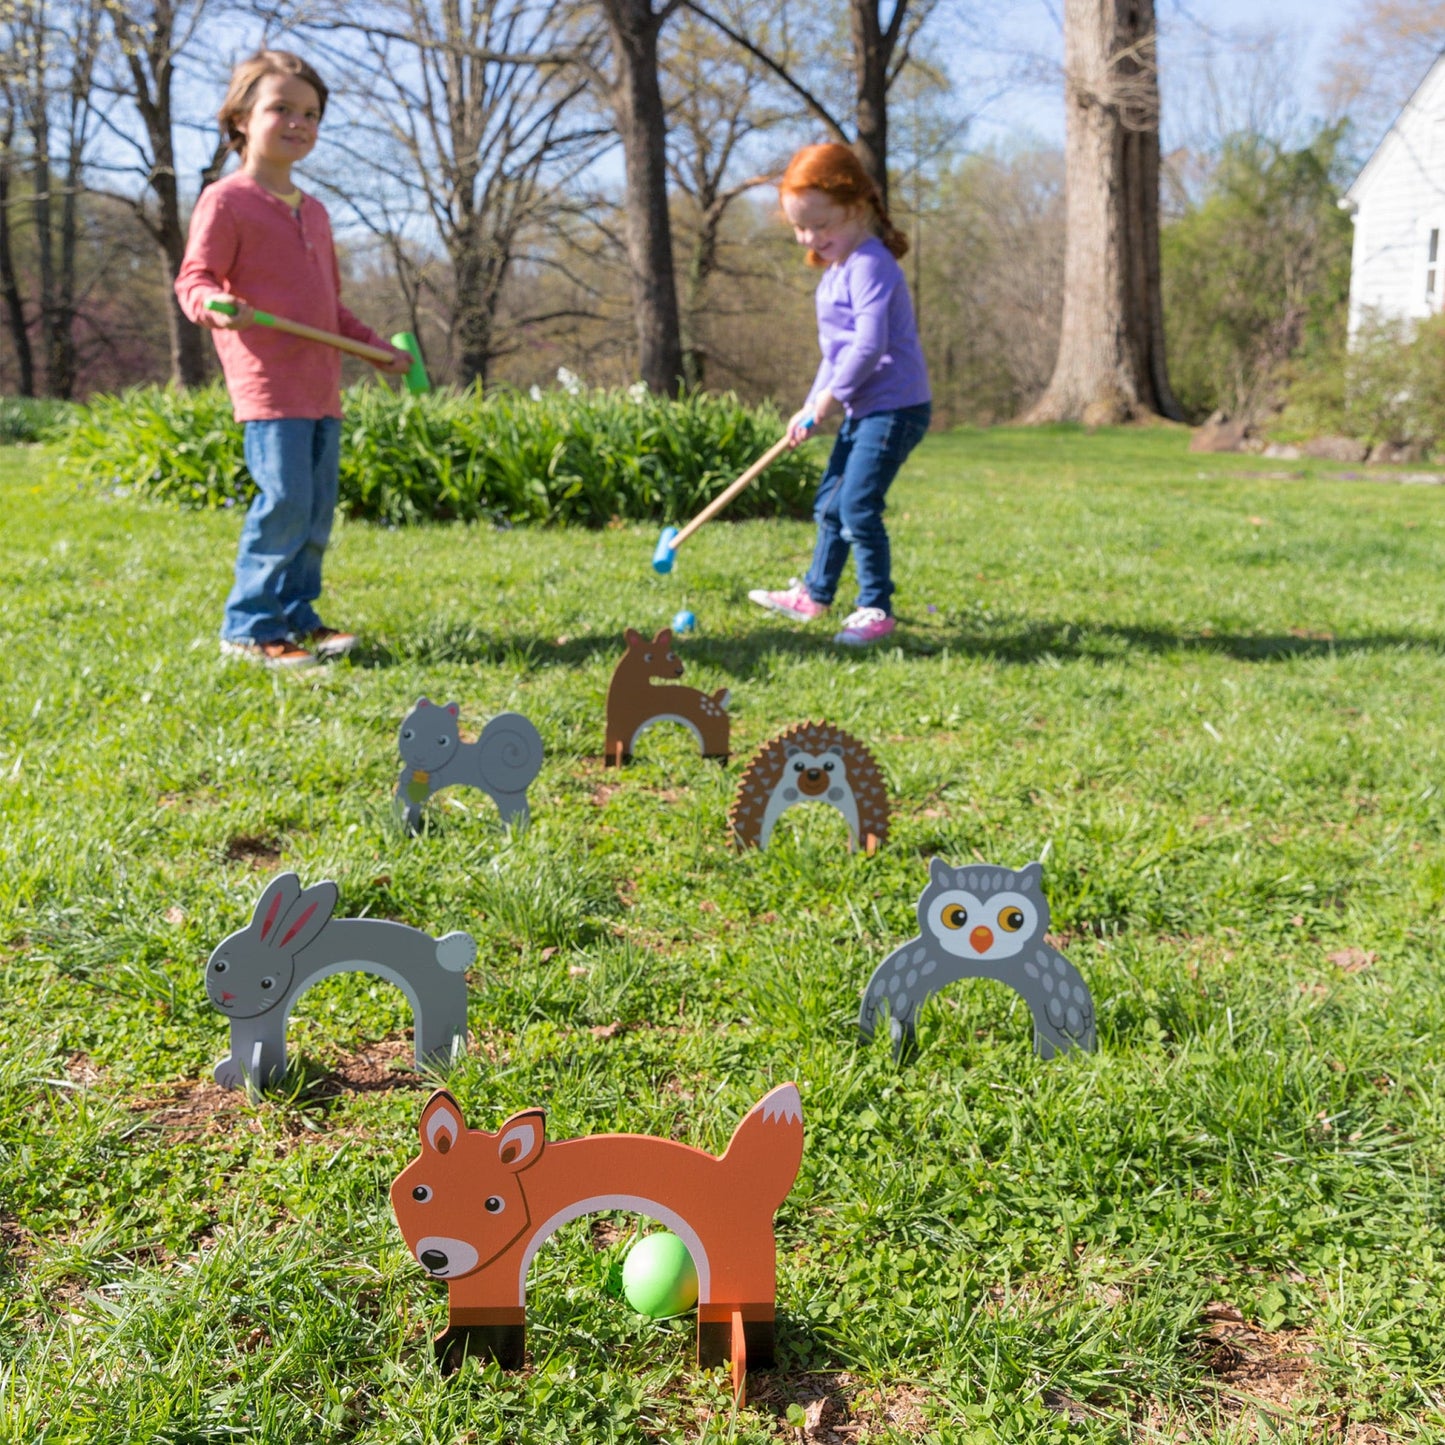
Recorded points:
(658,1277)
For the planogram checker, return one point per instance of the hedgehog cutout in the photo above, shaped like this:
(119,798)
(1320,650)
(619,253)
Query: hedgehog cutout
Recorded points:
(982,921)
(813,762)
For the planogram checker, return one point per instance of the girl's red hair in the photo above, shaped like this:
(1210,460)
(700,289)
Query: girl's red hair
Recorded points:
(836,171)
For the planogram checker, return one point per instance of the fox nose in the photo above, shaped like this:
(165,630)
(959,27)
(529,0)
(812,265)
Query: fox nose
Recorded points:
(981,938)
(434,1260)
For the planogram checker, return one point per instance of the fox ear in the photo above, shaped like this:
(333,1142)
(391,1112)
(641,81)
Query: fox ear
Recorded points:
(521,1139)
(441,1123)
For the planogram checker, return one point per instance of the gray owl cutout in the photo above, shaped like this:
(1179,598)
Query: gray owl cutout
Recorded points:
(502,762)
(982,921)
(256,974)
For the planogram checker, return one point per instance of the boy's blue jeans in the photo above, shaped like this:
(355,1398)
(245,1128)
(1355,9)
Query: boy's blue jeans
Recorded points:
(866,457)
(294,462)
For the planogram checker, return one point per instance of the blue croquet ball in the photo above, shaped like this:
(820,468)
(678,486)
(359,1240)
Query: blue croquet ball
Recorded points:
(659,1277)
(684,622)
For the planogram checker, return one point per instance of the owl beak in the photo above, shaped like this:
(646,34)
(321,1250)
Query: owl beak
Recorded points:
(981,938)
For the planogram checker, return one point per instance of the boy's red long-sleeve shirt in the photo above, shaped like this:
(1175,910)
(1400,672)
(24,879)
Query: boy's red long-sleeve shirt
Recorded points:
(245,241)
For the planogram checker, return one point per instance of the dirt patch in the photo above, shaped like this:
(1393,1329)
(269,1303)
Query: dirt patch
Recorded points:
(838,1409)
(193,1109)
(80,1070)
(1252,1366)
(254,850)
(376,1068)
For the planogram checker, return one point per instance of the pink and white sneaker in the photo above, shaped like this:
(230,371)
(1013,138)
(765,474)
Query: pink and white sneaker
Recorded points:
(865,626)
(794,603)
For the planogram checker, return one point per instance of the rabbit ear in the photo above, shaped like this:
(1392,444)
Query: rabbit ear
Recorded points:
(305,918)
(281,892)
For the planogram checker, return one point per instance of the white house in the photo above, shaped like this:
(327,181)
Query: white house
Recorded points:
(1398,205)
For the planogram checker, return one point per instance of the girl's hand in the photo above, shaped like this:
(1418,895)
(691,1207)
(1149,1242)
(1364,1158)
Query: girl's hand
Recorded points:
(399,364)
(220,321)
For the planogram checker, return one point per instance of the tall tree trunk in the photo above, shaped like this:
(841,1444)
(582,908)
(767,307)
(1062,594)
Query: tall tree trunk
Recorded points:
(637,102)
(9,282)
(872,53)
(1111,365)
(150,56)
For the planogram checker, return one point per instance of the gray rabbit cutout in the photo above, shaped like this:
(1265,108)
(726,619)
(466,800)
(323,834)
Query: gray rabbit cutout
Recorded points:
(982,921)
(503,762)
(255,976)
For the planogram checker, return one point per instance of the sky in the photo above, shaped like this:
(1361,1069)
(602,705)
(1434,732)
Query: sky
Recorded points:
(1307,31)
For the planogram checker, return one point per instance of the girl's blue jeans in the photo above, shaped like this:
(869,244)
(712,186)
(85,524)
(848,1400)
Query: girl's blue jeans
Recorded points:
(866,457)
(294,462)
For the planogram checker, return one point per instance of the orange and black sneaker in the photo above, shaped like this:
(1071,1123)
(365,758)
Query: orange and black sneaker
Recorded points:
(280,653)
(328,642)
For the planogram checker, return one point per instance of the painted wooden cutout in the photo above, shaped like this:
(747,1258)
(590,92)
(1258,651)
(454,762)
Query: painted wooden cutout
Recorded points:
(983,921)
(475,1207)
(502,762)
(256,975)
(642,693)
(813,762)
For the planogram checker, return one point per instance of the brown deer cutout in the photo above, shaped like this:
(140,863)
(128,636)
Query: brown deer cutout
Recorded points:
(643,692)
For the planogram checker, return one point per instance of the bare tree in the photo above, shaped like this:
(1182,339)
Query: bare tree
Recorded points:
(880,49)
(1381,58)
(472,121)
(1111,364)
(15,319)
(52,60)
(151,39)
(716,104)
(634,91)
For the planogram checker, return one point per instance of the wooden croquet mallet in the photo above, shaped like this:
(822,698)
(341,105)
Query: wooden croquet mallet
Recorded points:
(664,554)
(416,378)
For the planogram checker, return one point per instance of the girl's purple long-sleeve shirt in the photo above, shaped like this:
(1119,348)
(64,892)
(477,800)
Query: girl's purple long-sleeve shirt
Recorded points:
(872,360)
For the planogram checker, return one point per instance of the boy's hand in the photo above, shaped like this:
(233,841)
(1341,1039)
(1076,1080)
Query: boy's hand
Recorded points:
(220,321)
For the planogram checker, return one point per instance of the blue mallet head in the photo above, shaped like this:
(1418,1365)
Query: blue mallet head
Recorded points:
(662,555)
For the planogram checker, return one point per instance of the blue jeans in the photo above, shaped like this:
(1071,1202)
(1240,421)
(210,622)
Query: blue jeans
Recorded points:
(849,508)
(294,462)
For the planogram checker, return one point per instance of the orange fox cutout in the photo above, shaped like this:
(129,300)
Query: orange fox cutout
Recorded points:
(475,1207)
(642,692)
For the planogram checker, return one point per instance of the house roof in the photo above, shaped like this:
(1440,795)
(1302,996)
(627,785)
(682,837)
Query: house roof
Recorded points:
(1352,191)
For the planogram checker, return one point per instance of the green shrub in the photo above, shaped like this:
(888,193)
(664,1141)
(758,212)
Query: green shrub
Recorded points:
(33,419)
(1388,387)
(585,457)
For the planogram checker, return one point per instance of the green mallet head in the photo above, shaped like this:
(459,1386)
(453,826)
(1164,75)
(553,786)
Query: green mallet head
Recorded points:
(659,1277)
(416,378)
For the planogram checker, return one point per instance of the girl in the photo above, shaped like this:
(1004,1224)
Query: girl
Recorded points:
(257,241)
(872,370)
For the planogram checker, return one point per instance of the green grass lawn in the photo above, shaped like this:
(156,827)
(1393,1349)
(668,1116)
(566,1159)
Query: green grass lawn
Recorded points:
(1211,697)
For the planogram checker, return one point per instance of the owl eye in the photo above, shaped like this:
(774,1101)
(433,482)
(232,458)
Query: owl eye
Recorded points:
(1011,920)
(955,916)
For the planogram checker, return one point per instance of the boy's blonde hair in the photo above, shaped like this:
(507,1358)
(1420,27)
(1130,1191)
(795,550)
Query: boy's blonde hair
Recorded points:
(241,93)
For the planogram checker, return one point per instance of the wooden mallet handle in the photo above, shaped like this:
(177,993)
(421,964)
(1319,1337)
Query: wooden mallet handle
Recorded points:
(724,497)
(310,333)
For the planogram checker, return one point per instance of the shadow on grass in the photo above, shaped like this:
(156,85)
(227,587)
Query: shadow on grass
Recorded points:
(757,652)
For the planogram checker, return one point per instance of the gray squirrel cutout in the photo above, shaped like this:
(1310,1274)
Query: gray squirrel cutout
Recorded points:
(256,975)
(982,921)
(503,762)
